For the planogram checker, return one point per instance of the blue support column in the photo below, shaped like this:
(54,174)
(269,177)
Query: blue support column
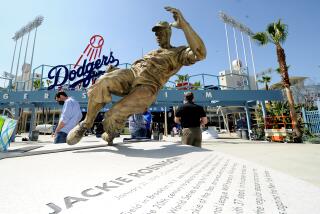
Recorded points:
(203,84)
(41,79)
(16,112)
(16,117)
(248,79)
(264,112)
(304,116)
(246,108)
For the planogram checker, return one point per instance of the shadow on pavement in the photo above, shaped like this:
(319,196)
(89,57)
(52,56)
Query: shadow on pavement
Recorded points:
(164,151)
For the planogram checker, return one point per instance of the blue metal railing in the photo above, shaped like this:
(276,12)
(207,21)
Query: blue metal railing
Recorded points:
(7,86)
(312,120)
(207,81)
(213,84)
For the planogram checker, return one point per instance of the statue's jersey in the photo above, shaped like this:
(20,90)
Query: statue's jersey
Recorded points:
(154,70)
(158,66)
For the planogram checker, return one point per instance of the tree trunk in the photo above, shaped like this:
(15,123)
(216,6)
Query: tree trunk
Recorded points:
(293,115)
(286,83)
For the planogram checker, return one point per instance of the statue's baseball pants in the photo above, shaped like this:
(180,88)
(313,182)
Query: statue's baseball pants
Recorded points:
(119,82)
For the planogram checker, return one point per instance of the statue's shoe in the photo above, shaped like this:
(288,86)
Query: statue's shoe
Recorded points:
(109,137)
(76,134)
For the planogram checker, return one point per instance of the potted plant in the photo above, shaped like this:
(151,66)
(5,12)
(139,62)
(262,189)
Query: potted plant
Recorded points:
(182,81)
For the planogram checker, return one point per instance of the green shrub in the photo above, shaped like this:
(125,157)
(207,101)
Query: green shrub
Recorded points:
(315,140)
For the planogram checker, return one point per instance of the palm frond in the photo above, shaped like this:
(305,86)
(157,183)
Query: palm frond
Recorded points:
(265,79)
(278,69)
(271,30)
(196,83)
(283,29)
(182,78)
(281,32)
(261,38)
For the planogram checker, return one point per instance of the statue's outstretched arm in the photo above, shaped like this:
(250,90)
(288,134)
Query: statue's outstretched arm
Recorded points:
(195,42)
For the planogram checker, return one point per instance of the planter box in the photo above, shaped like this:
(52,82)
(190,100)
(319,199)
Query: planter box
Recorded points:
(180,86)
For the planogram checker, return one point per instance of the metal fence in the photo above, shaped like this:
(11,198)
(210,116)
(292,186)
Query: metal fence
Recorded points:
(312,120)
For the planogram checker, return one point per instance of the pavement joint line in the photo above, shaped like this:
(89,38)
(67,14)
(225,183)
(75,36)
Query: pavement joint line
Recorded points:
(12,155)
(26,148)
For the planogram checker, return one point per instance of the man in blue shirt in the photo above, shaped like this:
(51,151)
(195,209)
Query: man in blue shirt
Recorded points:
(70,116)
(147,119)
(137,126)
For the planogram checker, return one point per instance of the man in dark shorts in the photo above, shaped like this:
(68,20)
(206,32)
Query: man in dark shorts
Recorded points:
(191,117)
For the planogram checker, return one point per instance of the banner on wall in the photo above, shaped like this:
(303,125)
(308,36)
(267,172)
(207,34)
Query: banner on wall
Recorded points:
(7,127)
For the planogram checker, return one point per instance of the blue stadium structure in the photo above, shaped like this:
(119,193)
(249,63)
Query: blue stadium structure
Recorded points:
(20,97)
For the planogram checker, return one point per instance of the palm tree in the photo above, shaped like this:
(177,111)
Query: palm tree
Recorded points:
(37,84)
(48,82)
(276,33)
(196,85)
(182,78)
(265,80)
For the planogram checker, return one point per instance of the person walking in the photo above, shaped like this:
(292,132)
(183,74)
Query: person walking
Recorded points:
(191,117)
(139,85)
(147,120)
(137,126)
(70,116)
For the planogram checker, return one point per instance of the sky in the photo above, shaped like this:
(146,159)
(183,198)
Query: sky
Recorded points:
(126,27)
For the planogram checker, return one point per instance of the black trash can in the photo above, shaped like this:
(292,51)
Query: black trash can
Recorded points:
(245,134)
(160,136)
(155,135)
(172,133)
(34,135)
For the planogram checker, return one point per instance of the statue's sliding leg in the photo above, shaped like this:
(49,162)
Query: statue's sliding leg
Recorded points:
(135,102)
(118,81)
(78,131)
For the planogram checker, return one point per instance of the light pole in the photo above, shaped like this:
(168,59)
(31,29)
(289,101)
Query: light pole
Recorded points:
(243,29)
(19,35)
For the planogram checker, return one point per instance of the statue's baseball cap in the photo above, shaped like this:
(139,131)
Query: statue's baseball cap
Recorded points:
(161,24)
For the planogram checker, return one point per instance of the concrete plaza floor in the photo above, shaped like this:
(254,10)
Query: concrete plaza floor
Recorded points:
(298,160)
(43,176)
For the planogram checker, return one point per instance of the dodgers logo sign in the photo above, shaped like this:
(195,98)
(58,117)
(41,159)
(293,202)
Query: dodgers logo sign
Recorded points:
(86,68)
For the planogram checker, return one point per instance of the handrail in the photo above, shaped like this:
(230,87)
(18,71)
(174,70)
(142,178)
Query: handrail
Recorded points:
(204,83)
